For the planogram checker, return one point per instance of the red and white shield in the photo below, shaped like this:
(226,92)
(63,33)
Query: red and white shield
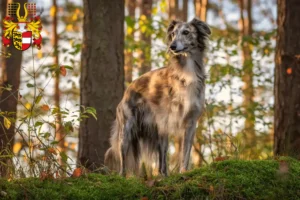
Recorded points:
(26,40)
(22,40)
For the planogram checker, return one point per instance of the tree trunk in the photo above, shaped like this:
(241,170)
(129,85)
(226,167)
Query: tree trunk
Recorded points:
(173,9)
(201,12)
(185,10)
(59,130)
(201,9)
(10,72)
(145,38)
(102,76)
(287,80)
(247,77)
(129,60)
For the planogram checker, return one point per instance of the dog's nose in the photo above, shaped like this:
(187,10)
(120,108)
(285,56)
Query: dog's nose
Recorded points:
(173,46)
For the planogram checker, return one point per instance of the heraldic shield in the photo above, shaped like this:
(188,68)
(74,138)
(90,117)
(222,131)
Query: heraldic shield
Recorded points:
(22,40)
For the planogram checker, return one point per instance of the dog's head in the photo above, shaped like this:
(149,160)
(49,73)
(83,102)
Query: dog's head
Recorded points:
(183,37)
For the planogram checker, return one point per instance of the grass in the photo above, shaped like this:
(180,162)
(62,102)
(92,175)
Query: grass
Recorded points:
(230,179)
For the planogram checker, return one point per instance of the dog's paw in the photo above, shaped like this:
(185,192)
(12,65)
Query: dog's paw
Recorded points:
(182,170)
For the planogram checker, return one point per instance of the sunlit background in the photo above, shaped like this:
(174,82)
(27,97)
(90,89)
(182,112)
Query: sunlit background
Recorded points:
(238,120)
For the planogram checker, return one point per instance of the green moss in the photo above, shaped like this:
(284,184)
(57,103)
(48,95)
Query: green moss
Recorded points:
(231,179)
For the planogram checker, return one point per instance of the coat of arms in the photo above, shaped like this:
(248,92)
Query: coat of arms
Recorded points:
(22,31)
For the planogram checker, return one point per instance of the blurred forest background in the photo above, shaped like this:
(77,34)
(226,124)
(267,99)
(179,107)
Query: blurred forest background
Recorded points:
(45,130)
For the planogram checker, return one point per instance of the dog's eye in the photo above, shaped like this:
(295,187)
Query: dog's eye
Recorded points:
(185,32)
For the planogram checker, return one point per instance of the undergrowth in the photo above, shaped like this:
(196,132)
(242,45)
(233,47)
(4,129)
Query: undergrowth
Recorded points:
(229,179)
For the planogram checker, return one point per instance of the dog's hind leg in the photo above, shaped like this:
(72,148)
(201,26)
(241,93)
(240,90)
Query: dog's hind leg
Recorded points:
(163,150)
(125,144)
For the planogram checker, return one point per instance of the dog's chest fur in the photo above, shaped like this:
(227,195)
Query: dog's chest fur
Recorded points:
(170,94)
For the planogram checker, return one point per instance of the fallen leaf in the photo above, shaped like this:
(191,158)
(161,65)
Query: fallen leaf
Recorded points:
(221,158)
(45,107)
(44,175)
(283,167)
(289,70)
(77,172)
(211,188)
(63,71)
(150,183)
(144,198)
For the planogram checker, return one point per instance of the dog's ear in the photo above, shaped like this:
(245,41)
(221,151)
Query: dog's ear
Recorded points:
(171,28)
(201,27)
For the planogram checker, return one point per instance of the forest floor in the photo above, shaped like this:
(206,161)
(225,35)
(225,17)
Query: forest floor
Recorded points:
(229,179)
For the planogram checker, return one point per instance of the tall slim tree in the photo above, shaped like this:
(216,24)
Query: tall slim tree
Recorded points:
(102,76)
(59,130)
(287,80)
(129,59)
(247,77)
(184,11)
(201,9)
(10,72)
(177,13)
(145,37)
(173,9)
(201,12)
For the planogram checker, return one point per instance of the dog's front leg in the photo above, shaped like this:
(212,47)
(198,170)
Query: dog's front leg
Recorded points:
(163,150)
(187,145)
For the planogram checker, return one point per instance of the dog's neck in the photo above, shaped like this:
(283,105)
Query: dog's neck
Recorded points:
(190,65)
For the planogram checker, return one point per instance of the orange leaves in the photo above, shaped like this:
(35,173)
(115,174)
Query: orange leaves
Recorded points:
(77,172)
(44,175)
(63,71)
(52,151)
(17,147)
(221,158)
(289,70)
(45,107)
(211,188)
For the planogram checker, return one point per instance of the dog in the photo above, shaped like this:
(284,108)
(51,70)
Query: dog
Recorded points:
(162,102)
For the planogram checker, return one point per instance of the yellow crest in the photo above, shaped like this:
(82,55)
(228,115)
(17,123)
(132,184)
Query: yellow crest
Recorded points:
(22,18)
(23,32)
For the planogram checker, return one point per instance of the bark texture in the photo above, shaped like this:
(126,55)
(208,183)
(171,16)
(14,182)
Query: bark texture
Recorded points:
(184,12)
(287,80)
(173,10)
(102,76)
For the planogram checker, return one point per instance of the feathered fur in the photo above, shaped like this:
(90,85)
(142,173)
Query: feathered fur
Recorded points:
(161,102)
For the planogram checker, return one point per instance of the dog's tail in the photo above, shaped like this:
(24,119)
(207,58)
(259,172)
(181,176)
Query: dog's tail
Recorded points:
(113,154)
